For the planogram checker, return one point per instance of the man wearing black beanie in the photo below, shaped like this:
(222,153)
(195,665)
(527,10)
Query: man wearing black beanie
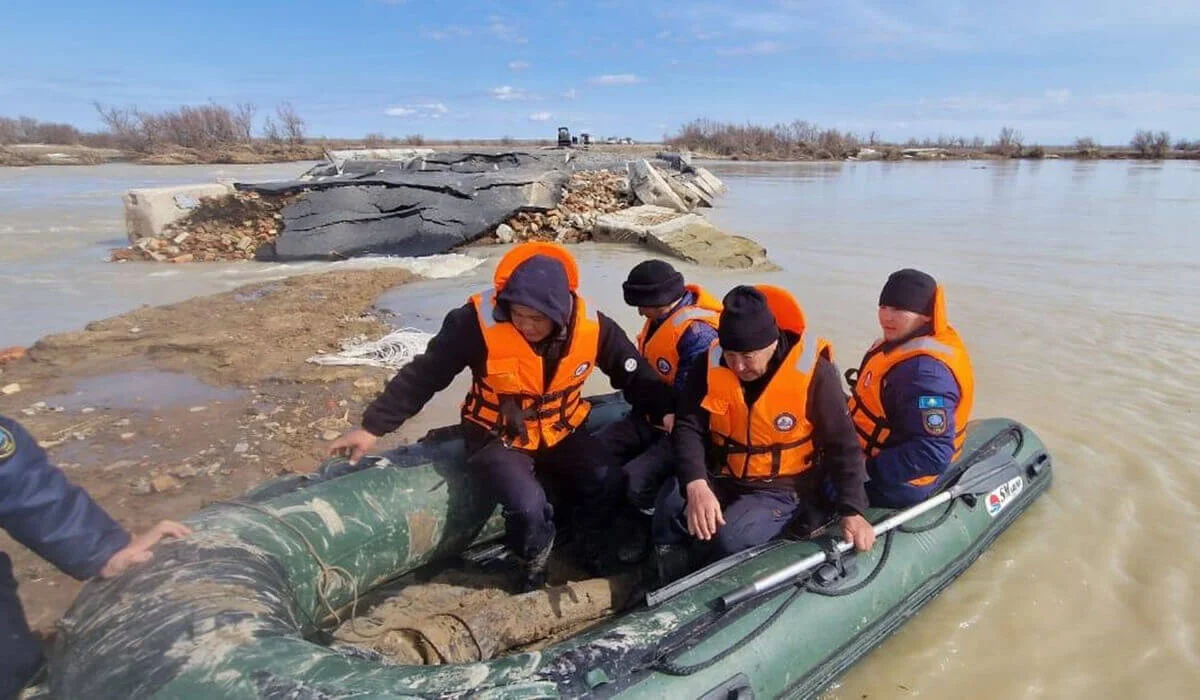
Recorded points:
(912,395)
(681,324)
(761,424)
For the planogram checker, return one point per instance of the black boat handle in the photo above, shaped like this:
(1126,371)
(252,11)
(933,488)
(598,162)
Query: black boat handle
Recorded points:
(735,688)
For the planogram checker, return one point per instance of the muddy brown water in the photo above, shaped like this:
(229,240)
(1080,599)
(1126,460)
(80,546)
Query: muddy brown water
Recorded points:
(1073,283)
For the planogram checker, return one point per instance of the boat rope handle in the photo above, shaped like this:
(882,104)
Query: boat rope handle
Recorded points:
(326,582)
(915,529)
(667,665)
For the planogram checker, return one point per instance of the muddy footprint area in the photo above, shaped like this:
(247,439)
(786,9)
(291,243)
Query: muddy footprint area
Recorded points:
(163,410)
(463,615)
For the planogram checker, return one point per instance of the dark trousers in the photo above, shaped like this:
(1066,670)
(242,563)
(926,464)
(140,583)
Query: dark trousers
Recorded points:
(20,652)
(753,515)
(518,480)
(645,454)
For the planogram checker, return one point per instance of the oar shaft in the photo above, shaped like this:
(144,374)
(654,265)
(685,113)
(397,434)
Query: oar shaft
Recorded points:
(794,570)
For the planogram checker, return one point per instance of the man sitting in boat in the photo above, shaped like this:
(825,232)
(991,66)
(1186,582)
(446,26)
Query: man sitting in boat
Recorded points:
(761,423)
(531,342)
(681,324)
(911,397)
(59,521)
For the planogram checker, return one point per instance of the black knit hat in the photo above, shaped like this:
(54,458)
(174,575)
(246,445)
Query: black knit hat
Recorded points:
(911,290)
(746,321)
(653,283)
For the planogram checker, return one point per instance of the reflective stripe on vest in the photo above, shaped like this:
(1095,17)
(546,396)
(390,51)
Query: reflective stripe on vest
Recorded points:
(515,378)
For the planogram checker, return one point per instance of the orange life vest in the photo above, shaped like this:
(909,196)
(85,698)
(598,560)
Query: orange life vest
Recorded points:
(773,437)
(515,372)
(866,391)
(661,348)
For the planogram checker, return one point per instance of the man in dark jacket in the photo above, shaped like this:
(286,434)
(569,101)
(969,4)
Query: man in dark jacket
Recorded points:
(519,428)
(680,326)
(56,519)
(740,502)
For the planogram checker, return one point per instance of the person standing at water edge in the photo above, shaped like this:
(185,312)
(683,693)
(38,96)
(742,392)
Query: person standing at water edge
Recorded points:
(531,342)
(761,423)
(59,521)
(681,324)
(912,395)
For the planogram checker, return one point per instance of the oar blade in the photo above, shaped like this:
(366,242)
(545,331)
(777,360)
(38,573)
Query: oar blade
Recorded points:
(987,474)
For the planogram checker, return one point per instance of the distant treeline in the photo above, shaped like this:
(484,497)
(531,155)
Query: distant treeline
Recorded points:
(802,139)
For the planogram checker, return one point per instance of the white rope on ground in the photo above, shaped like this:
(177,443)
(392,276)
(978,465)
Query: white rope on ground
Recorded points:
(393,350)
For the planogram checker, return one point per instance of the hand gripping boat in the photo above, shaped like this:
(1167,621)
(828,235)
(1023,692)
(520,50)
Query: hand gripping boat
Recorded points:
(236,610)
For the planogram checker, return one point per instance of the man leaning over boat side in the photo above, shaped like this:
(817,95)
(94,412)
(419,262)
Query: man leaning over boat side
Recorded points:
(911,396)
(60,522)
(760,425)
(531,342)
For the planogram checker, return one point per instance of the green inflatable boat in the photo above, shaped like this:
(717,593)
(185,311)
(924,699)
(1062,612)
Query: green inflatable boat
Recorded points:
(237,610)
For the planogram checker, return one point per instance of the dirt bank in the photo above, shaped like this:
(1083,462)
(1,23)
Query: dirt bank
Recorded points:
(162,410)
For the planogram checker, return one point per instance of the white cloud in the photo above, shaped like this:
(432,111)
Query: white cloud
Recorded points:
(1060,96)
(504,31)
(758,48)
(424,110)
(443,33)
(540,117)
(616,79)
(517,65)
(665,34)
(508,93)
(570,94)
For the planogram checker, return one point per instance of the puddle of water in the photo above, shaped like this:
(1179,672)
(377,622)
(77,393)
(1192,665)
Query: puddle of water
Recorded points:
(256,294)
(148,390)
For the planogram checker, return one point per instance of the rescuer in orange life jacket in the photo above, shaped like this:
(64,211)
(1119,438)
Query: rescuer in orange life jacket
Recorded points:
(531,342)
(912,395)
(760,425)
(681,324)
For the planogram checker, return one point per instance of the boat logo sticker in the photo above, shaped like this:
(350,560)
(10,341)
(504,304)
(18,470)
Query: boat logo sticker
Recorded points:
(663,366)
(999,498)
(8,444)
(583,367)
(785,422)
(934,420)
(630,364)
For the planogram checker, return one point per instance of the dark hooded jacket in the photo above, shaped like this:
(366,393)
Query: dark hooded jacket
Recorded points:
(540,283)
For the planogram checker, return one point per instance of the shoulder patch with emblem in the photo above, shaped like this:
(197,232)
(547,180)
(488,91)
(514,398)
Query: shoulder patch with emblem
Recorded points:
(631,364)
(934,420)
(931,402)
(8,444)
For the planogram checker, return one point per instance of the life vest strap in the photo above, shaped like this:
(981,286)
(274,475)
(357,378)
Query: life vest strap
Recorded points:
(730,447)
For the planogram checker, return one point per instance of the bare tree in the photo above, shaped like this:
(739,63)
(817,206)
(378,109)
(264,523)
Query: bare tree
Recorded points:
(243,118)
(1151,144)
(1008,143)
(1086,147)
(271,131)
(290,123)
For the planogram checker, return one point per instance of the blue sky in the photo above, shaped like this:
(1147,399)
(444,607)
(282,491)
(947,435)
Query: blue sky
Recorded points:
(479,69)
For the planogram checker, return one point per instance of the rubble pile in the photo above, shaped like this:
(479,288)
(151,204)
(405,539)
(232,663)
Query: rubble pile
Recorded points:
(219,228)
(589,195)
